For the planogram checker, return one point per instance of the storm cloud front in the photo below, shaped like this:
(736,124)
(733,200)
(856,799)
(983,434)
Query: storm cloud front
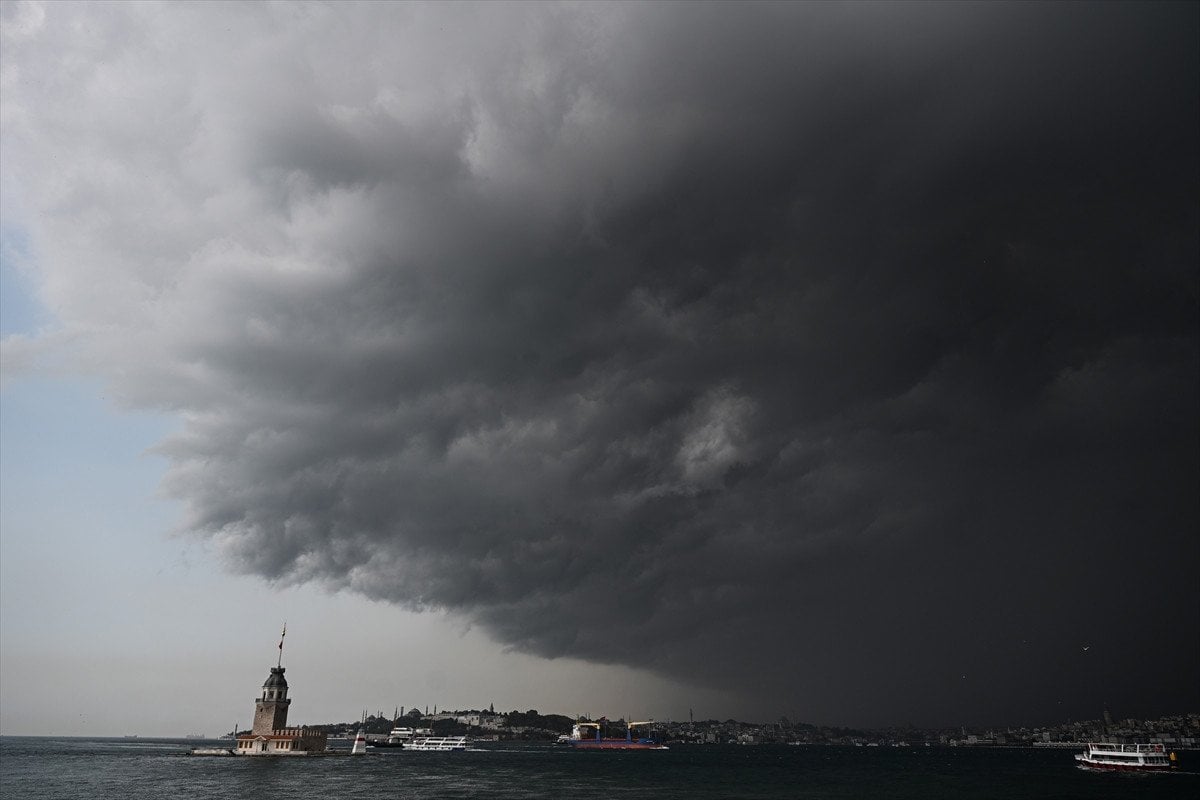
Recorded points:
(841,356)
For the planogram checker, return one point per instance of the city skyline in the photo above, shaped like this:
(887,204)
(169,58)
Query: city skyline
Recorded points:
(830,360)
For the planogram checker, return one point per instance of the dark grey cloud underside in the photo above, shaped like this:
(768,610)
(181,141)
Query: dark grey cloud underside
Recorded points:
(860,355)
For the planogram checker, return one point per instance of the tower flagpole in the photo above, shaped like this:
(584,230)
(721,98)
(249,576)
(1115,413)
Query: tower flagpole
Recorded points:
(279,663)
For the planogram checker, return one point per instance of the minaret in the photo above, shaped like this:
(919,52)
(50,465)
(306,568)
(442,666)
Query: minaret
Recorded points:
(271,709)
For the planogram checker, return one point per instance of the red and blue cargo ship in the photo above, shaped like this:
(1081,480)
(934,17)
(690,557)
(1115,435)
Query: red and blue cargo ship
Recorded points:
(587,736)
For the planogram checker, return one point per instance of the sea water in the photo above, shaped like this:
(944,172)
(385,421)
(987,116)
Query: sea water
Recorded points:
(40,768)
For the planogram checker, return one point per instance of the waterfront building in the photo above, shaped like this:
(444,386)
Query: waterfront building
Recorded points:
(270,734)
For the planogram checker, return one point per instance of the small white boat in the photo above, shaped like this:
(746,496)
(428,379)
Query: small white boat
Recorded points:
(1139,757)
(440,743)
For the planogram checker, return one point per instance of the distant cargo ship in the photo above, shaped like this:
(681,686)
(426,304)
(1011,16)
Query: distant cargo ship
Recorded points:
(586,736)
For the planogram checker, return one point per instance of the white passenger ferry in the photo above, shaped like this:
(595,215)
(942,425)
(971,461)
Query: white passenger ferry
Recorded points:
(441,743)
(1140,757)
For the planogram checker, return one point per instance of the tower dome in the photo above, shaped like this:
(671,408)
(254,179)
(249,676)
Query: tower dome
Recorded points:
(275,686)
(276,680)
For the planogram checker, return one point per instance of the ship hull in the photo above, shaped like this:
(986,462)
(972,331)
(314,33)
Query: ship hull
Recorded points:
(1085,764)
(615,744)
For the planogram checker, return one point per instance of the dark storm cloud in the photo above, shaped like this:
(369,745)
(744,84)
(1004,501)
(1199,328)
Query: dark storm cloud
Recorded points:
(841,355)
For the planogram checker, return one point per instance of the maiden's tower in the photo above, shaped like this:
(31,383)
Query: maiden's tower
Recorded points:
(270,735)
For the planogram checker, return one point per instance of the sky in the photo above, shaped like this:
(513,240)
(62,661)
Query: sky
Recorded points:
(830,360)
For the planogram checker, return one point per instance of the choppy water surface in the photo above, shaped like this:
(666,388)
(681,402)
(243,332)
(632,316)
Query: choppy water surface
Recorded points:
(43,768)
